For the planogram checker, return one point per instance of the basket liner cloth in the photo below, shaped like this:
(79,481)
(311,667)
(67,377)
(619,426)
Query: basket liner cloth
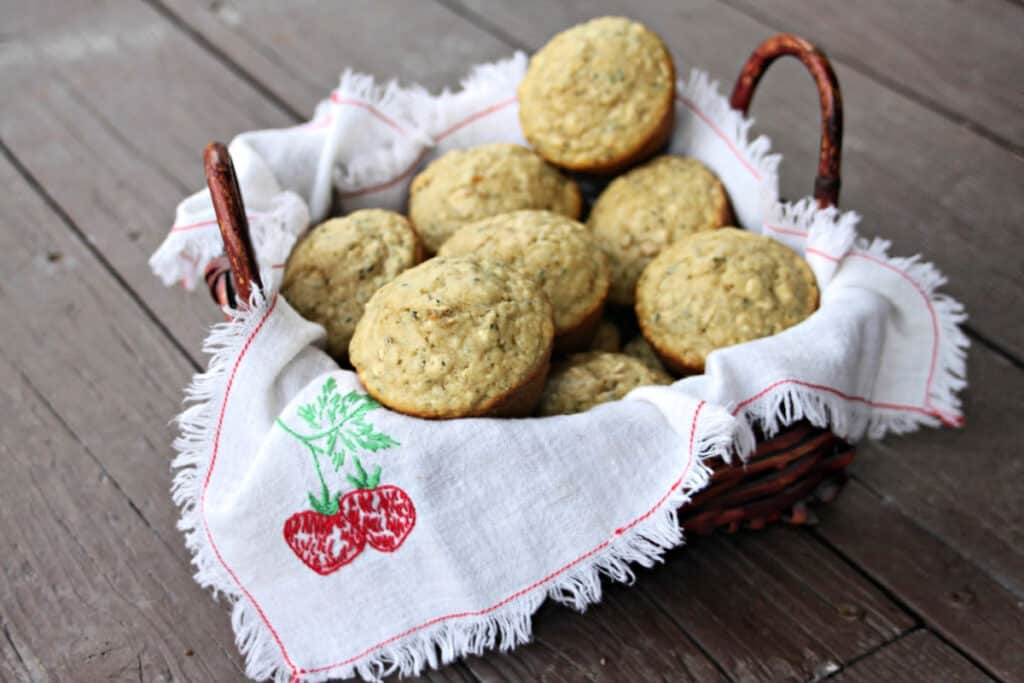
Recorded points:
(475,522)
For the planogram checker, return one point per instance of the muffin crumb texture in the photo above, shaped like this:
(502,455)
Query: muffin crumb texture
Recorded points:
(555,251)
(452,337)
(334,270)
(654,205)
(719,288)
(467,185)
(598,94)
(585,380)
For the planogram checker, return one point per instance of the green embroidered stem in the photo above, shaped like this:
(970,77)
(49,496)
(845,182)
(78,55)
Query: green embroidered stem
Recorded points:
(339,419)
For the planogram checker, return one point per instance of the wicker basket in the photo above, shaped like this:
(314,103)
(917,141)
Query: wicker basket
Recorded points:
(798,466)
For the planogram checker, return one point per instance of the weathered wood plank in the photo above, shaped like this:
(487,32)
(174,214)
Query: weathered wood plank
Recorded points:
(297,51)
(88,591)
(114,107)
(775,605)
(625,637)
(917,658)
(962,57)
(113,376)
(949,593)
(964,485)
(919,179)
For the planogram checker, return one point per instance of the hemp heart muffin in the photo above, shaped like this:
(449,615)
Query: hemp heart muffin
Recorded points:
(332,273)
(584,380)
(720,288)
(599,96)
(466,185)
(455,337)
(642,212)
(557,253)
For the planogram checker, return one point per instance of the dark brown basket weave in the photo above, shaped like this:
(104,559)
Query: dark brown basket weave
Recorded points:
(798,466)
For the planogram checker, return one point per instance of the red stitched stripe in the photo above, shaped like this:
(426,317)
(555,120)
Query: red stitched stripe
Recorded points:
(387,183)
(212,221)
(209,474)
(440,136)
(818,252)
(618,532)
(785,231)
(479,115)
(337,99)
(703,117)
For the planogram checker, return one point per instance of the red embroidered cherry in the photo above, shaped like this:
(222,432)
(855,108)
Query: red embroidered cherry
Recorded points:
(384,514)
(324,543)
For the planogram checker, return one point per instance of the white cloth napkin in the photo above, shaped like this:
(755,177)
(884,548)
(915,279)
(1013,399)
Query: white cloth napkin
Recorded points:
(354,540)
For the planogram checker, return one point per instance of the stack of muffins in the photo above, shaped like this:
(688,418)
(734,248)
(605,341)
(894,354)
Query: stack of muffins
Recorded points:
(522,308)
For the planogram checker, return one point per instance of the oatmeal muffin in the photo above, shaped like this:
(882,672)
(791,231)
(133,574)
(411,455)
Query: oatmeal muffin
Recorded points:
(557,253)
(332,273)
(642,212)
(599,96)
(466,185)
(638,348)
(584,380)
(606,337)
(720,288)
(455,337)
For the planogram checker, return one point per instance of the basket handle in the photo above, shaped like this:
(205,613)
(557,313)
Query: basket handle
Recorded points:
(826,184)
(231,280)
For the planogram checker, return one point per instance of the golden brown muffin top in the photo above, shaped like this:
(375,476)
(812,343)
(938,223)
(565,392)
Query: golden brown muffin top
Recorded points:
(719,288)
(596,92)
(452,337)
(555,251)
(467,185)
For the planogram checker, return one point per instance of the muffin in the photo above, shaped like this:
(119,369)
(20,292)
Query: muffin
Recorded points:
(642,212)
(335,270)
(599,96)
(584,380)
(638,348)
(557,253)
(720,288)
(606,337)
(455,337)
(466,185)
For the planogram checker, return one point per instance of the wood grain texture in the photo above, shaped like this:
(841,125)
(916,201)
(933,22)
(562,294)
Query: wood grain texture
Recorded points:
(108,122)
(297,50)
(625,637)
(88,591)
(964,485)
(961,57)
(773,605)
(920,180)
(919,657)
(949,593)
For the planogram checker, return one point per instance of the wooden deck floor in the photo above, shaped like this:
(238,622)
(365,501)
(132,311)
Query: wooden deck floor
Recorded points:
(915,573)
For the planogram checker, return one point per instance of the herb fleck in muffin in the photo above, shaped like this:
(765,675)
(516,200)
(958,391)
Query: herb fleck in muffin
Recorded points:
(599,96)
(455,337)
(606,337)
(557,253)
(642,212)
(332,273)
(584,380)
(720,288)
(467,185)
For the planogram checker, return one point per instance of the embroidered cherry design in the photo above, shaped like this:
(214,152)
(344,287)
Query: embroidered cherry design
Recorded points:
(324,543)
(385,515)
(337,528)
